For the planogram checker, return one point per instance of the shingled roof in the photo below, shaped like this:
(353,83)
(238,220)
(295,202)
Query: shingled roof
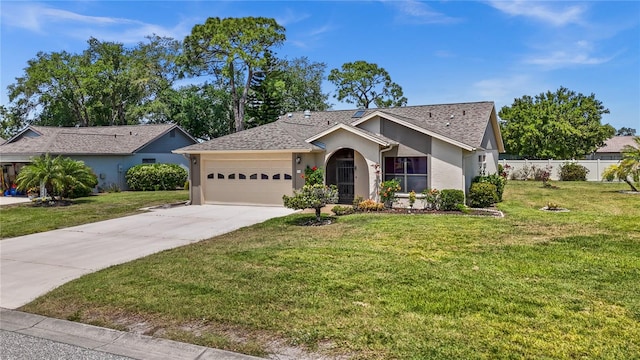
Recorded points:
(100,140)
(464,123)
(616,144)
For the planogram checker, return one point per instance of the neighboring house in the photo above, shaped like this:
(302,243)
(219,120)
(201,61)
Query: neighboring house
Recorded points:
(612,148)
(433,146)
(109,150)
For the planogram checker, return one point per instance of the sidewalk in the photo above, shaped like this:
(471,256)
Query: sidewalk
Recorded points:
(10,200)
(109,341)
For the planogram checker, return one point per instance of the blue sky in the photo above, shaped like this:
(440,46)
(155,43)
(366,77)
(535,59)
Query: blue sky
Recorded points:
(438,51)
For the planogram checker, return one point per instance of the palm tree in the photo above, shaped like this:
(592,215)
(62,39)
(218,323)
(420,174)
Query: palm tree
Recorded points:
(59,176)
(628,168)
(77,178)
(44,171)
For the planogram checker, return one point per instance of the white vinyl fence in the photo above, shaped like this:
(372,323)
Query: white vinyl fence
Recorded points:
(595,167)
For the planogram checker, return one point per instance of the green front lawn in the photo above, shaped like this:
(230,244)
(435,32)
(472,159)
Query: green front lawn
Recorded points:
(23,219)
(531,285)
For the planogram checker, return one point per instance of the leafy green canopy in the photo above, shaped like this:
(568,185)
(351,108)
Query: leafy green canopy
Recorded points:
(558,125)
(107,84)
(233,49)
(363,84)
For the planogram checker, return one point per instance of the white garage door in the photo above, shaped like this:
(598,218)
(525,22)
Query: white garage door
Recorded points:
(247,181)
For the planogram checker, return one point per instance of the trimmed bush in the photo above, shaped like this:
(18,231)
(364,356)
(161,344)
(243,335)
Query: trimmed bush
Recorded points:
(494,179)
(482,194)
(153,177)
(342,210)
(573,172)
(450,199)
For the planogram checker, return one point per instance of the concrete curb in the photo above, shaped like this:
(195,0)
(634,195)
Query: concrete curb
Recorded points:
(107,340)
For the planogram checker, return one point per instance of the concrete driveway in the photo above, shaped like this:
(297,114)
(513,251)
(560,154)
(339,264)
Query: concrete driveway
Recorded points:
(33,265)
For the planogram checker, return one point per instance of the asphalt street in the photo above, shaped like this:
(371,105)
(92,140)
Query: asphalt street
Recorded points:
(16,346)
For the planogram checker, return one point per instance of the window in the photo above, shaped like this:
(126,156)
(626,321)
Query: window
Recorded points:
(276,177)
(242,176)
(287,177)
(264,177)
(253,176)
(210,176)
(231,177)
(411,172)
(220,176)
(148,161)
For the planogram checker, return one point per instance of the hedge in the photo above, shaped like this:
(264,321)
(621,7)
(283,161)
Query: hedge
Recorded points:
(156,177)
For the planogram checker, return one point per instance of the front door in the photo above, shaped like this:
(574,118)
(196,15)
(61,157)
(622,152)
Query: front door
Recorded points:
(345,177)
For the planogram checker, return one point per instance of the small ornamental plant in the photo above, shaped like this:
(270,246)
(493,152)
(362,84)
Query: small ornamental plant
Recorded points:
(313,176)
(431,199)
(313,195)
(412,199)
(388,190)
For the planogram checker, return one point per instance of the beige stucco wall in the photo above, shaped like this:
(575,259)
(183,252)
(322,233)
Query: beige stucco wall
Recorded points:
(445,166)
(367,154)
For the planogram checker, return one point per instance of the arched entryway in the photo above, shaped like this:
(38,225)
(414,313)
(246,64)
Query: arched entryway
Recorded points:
(341,172)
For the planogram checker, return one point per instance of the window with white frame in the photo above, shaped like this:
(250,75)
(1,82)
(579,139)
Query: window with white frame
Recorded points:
(411,172)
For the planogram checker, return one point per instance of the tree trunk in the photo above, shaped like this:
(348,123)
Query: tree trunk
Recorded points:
(318,217)
(633,188)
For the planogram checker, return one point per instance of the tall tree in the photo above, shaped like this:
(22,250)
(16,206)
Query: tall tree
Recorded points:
(303,85)
(363,84)
(10,122)
(204,111)
(559,125)
(266,92)
(625,131)
(107,84)
(226,47)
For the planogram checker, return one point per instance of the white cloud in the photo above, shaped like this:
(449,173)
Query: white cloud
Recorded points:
(547,12)
(414,11)
(561,58)
(41,18)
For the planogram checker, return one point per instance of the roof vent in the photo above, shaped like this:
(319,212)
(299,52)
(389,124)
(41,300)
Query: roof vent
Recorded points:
(451,117)
(289,115)
(464,112)
(307,114)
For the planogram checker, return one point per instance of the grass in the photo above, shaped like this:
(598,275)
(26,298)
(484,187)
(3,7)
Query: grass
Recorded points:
(532,285)
(24,219)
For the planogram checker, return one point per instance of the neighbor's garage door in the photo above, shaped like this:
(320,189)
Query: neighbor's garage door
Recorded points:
(247,181)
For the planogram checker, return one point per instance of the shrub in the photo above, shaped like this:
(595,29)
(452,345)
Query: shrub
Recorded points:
(573,172)
(342,210)
(370,205)
(482,194)
(451,198)
(494,179)
(156,177)
(313,176)
(431,199)
(388,190)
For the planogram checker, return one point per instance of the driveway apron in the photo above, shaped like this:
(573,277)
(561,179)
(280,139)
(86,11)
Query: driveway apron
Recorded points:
(33,265)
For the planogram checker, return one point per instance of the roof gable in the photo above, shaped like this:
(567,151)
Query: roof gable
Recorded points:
(381,140)
(463,125)
(102,140)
